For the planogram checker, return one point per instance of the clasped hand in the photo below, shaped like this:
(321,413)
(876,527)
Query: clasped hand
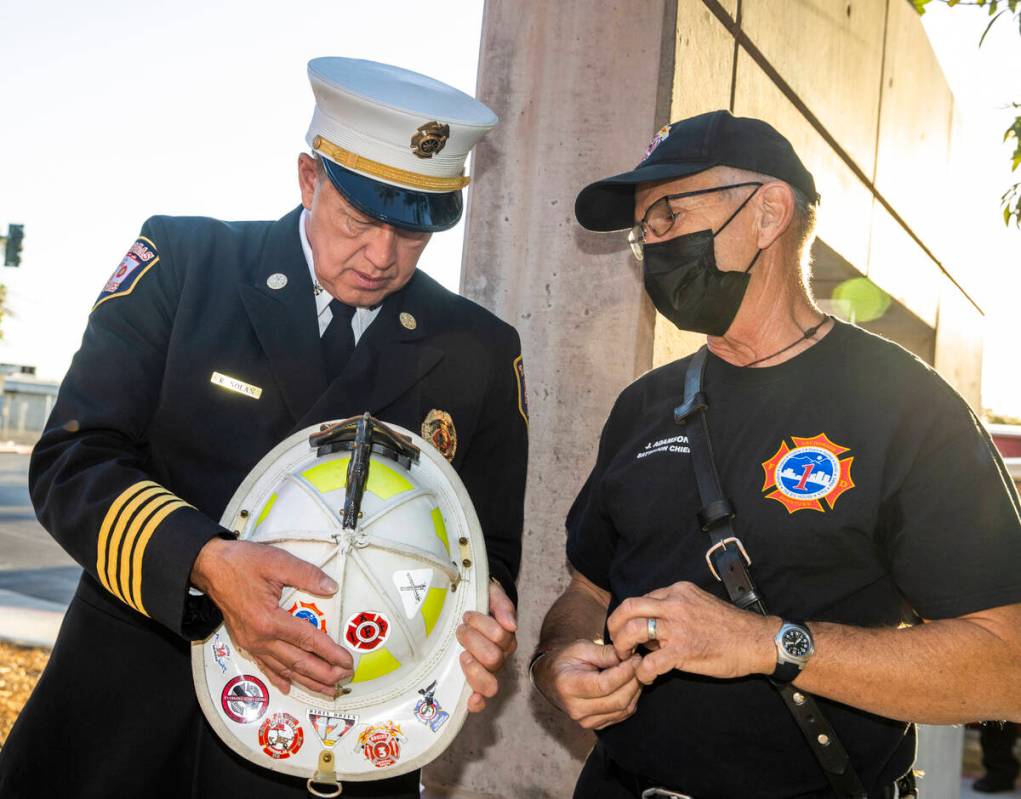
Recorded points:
(598,685)
(695,632)
(590,683)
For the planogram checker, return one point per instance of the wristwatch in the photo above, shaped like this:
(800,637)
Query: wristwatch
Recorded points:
(794,646)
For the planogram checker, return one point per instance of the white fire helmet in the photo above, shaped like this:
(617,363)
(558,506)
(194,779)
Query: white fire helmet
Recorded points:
(383,513)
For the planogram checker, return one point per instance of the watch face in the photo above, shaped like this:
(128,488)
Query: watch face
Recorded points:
(796,643)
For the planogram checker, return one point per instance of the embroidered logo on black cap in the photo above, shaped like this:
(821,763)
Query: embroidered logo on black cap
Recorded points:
(658,139)
(430,139)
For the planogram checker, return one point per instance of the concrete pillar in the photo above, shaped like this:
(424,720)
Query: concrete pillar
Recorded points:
(580,88)
(939,757)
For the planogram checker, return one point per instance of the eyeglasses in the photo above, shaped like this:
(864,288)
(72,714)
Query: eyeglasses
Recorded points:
(660,216)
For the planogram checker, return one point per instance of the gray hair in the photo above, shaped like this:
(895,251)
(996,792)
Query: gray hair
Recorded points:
(800,234)
(320,163)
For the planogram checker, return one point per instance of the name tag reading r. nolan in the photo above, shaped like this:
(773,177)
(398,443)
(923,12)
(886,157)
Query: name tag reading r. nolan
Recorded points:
(233,384)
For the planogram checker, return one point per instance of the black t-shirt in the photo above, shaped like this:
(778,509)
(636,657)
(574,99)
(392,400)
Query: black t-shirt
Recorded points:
(866,493)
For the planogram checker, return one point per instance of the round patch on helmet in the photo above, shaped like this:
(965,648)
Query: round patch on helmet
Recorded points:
(309,611)
(381,744)
(807,473)
(281,736)
(244,699)
(367,631)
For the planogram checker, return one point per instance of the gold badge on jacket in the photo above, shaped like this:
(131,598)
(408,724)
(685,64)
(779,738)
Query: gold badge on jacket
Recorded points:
(438,428)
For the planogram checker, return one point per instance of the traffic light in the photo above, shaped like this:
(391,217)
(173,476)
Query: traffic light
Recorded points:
(12,253)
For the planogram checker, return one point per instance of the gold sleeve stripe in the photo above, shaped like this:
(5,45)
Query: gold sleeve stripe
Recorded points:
(128,512)
(108,520)
(123,559)
(143,541)
(125,532)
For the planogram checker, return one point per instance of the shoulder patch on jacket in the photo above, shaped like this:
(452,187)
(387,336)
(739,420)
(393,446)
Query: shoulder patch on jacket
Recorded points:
(519,374)
(142,256)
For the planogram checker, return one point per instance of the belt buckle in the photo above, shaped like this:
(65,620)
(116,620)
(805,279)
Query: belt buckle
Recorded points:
(723,545)
(663,793)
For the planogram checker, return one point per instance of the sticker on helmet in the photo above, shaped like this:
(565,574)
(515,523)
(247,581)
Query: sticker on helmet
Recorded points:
(367,631)
(428,710)
(413,587)
(281,736)
(380,744)
(329,725)
(308,611)
(221,652)
(244,699)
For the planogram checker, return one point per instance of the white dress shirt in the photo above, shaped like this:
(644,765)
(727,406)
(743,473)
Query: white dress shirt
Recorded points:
(362,317)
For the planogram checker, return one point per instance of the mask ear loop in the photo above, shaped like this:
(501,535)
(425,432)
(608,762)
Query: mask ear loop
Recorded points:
(731,218)
(757,254)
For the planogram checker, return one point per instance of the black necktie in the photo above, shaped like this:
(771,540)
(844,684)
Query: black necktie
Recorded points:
(339,339)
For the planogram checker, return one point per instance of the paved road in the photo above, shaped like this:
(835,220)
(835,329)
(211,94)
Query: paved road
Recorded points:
(32,564)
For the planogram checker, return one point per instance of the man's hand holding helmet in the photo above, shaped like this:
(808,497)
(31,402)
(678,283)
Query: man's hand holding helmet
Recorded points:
(245,580)
(488,641)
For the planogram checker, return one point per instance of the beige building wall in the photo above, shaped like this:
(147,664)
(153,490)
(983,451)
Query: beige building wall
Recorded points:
(580,87)
(856,87)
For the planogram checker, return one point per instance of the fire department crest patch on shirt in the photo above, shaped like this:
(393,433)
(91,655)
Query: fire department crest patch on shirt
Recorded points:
(138,260)
(809,476)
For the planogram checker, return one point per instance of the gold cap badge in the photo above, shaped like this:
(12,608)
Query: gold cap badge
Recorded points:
(430,139)
(438,429)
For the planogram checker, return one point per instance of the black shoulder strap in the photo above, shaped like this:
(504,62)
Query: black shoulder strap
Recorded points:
(728,561)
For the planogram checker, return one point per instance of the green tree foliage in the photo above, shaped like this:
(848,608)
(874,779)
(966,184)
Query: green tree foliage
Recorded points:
(992,417)
(997,10)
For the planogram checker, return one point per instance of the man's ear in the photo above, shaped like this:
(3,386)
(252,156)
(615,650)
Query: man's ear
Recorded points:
(308,173)
(776,210)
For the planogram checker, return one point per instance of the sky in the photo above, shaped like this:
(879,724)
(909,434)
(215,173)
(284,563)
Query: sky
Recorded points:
(114,111)
(984,82)
(111,112)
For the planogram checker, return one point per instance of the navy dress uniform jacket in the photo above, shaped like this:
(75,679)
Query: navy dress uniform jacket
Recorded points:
(143,452)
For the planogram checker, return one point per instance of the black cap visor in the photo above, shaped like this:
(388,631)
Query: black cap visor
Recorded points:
(419,211)
(609,204)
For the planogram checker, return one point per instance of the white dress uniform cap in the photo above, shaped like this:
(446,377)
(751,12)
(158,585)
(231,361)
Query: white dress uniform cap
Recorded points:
(397,128)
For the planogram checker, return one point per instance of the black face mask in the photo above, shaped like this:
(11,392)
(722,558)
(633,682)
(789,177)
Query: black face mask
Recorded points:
(686,286)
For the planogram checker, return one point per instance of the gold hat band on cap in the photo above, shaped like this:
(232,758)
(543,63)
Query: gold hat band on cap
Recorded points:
(414,180)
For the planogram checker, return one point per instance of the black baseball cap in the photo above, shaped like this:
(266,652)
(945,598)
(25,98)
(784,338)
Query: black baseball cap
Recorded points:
(686,148)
